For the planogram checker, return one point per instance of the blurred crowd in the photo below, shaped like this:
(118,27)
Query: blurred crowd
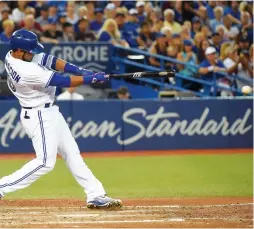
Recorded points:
(208,33)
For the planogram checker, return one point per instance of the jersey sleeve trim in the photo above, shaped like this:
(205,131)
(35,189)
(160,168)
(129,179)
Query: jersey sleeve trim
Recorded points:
(49,79)
(45,58)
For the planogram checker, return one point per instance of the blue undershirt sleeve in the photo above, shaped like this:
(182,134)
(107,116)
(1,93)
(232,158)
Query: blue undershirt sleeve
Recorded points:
(59,80)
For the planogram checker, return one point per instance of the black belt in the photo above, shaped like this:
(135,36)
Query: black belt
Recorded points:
(46,105)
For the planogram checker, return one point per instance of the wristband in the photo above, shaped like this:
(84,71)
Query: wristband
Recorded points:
(71,68)
(89,79)
(210,68)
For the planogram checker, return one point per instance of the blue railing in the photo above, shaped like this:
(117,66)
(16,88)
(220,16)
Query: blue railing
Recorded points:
(122,62)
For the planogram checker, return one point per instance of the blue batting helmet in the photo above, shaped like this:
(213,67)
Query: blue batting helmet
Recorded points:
(26,40)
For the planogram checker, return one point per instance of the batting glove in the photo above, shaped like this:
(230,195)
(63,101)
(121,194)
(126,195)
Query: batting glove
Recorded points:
(101,77)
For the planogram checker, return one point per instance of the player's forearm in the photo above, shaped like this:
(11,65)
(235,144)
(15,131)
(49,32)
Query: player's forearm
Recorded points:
(60,65)
(76,81)
(59,80)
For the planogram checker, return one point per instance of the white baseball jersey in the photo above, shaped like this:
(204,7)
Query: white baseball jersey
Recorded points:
(29,81)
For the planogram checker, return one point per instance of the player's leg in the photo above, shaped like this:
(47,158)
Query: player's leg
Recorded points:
(70,152)
(39,125)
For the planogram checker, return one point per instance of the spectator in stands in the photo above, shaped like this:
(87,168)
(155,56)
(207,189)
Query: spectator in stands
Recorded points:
(249,8)
(204,44)
(3,5)
(247,25)
(251,62)
(169,16)
(42,20)
(110,32)
(212,65)
(210,9)
(29,24)
(158,26)
(52,12)
(216,41)
(84,34)
(168,33)
(245,68)
(148,8)
(185,33)
(123,93)
(196,26)
(232,59)
(178,11)
(220,29)
(30,10)
(72,17)
(233,12)
(187,56)
(188,11)
(205,30)
(96,24)
(198,38)
(152,17)
(62,19)
(70,94)
(146,36)
(5,14)
(61,5)
(90,10)
(68,32)
(52,35)
(120,21)
(8,26)
(131,28)
(202,12)
(172,51)
(159,47)
(82,12)
(244,44)
(238,64)
(231,32)
(110,10)
(176,40)
(18,13)
(218,12)
(36,25)
(140,6)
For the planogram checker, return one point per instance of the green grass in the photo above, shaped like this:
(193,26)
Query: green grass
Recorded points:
(160,176)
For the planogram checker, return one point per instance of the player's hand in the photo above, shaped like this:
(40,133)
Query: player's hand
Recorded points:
(100,77)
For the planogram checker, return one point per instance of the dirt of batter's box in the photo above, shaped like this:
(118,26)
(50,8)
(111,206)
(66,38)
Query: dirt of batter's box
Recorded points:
(230,212)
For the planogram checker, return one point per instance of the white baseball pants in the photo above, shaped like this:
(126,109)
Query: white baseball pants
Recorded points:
(50,135)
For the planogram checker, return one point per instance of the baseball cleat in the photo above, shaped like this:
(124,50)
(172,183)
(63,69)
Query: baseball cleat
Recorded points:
(104,202)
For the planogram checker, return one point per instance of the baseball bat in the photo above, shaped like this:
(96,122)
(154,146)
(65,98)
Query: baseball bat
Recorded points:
(134,75)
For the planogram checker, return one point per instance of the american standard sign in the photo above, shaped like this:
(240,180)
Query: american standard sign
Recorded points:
(138,125)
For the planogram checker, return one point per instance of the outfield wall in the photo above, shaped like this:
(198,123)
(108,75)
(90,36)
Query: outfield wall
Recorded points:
(142,125)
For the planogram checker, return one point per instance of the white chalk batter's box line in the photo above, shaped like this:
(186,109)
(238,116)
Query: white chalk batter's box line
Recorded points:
(103,221)
(94,216)
(110,221)
(130,207)
(97,216)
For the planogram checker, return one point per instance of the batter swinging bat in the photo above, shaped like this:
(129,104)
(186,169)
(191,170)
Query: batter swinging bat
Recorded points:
(134,75)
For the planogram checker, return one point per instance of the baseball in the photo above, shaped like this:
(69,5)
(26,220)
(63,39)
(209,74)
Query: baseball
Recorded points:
(246,90)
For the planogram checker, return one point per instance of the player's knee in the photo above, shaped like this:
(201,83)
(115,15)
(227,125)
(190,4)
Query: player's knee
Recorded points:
(49,165)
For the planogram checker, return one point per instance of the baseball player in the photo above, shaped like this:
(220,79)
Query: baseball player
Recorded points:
(33,77)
